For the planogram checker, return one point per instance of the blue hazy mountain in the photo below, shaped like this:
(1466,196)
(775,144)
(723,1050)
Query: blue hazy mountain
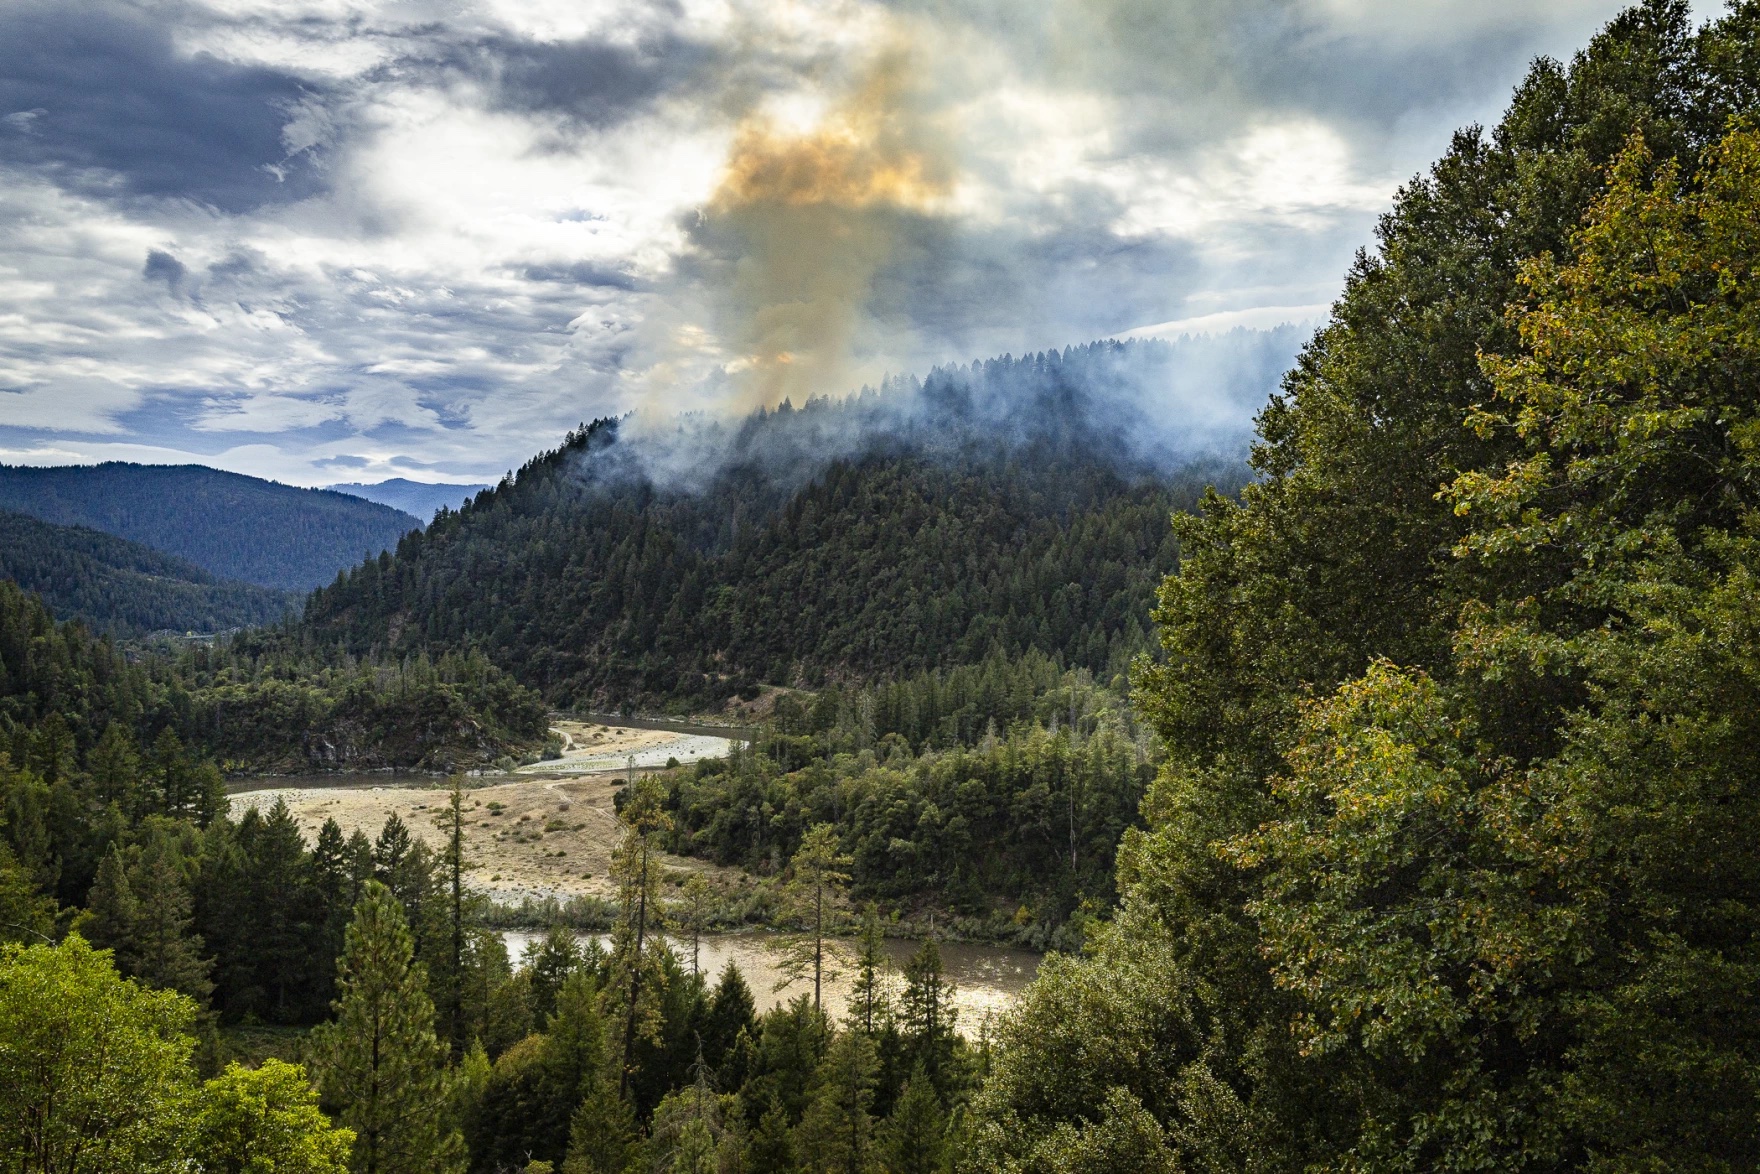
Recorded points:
(230,525)
(417,498)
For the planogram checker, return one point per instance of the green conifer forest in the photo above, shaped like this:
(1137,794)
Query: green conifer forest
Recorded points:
(1389,807)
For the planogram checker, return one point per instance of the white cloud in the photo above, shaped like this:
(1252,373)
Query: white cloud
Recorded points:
(472,267)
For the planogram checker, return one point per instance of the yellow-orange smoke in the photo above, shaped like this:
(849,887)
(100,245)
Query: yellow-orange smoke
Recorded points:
(812,217)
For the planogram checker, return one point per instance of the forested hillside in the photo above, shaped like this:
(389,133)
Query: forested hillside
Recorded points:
(1016,505)
(254,703)
(232,526)
(124,588)
(1452,864)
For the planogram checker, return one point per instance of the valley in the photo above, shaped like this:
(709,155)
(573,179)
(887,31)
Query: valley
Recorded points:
(544,832)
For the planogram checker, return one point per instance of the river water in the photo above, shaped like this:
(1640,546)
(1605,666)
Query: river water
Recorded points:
(987,979)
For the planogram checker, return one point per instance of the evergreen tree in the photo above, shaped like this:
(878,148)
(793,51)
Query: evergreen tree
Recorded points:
(379,1061)
(574,1062)
(115,766)
(691,914)
(816,886)
(835,1135)
(548,962)
(602,1137)
(927,1014)
(358,854)
(913,1140)
(732,1011)
(162,950)
(112,907)
(451,984)
(771,1145)
(285,914)
(636,972)
(170,767)
(869,1004)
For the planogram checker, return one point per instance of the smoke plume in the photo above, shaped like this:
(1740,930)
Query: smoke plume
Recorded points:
(808,217)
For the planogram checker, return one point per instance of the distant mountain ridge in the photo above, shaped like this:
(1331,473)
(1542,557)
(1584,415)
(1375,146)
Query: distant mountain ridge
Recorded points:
(420,499)
(228,524)
(123,588)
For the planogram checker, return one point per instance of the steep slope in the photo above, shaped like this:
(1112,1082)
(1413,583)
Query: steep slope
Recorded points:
(417,498)
(1011,506)
(124,588)
(230,525)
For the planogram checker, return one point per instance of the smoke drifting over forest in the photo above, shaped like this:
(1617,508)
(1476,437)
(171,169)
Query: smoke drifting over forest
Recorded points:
(1146,407)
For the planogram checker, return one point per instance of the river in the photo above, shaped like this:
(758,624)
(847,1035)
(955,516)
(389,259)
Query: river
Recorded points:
(987,979)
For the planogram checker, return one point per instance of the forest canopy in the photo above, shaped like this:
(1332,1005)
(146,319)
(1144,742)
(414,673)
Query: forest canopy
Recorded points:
(1451,864)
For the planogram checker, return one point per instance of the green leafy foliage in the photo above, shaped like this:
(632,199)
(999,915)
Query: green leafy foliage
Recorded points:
(1011,831)
(265,1121)
(96,1075)
(94,1070)
(1450,866)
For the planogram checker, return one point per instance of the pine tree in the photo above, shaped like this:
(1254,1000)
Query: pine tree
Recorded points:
(928,1013)
(731,1011)
(115,769)
(548,962)
(170,773)
(835,1135)
(389,850)
(453,861)
(284,904)
(379,1062)
(691,914)
(164,953)
(913,1140)
(636,972)
(602,1137)
(112,907)
(771,1145)
(815,897)
(358,855)
(869,1004)
(573,1063)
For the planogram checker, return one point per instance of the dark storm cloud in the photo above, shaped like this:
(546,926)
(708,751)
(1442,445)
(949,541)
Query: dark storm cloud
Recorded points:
(580,273)
(162,266)
(97,95)
(588,82)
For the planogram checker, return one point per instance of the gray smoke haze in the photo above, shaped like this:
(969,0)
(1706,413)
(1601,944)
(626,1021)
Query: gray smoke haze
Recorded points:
(1145,407)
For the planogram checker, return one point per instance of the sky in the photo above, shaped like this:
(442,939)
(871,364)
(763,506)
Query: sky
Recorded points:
(345,240)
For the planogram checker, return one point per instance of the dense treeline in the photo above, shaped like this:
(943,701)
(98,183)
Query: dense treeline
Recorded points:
(232,526)
(259,702)
(1452,864)
(995,793)
(440,1056)
(126,589)
(265,703)
(604,582)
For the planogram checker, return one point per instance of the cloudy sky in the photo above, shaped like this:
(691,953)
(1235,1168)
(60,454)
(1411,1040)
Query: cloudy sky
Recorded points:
(343,240)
